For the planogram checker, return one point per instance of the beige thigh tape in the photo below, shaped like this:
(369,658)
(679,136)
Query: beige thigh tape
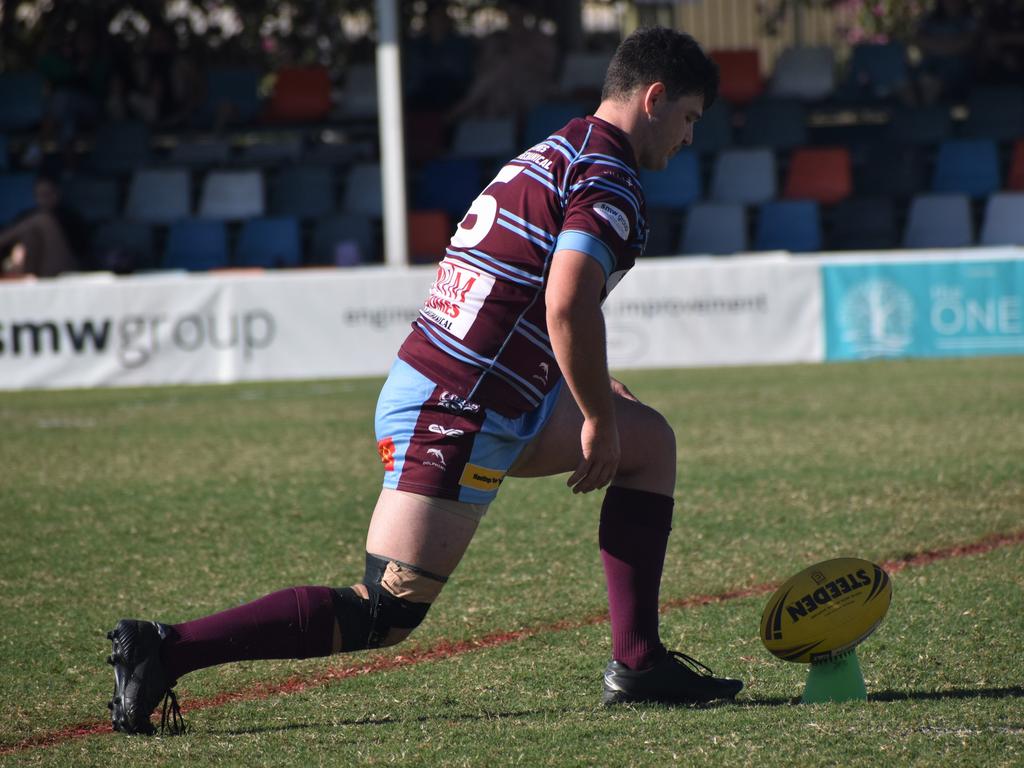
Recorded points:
(461,508)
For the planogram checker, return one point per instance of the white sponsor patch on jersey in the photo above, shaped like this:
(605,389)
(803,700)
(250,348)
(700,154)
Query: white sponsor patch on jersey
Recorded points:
(615,217)
(456,297)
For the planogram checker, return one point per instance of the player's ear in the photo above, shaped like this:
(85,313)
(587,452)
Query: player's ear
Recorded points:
(654,95)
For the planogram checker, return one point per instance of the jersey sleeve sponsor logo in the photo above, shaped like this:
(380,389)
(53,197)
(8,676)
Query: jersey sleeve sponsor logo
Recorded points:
(386,451)
(481,478)
(615,217)
(456,297)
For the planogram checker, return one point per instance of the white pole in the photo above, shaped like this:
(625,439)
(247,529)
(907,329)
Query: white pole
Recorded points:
(392,149)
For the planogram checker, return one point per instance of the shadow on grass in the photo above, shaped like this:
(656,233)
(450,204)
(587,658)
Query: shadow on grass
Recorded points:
(1012,692)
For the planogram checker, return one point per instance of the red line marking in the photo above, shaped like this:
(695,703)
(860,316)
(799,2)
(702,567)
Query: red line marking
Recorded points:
(446,649)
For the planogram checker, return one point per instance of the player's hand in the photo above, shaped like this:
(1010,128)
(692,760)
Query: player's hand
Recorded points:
(620,389)
(601,454)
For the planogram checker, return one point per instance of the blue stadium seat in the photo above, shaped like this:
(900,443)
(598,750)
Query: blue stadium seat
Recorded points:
(196,245)
(939,221)
(364,193)
(922,125)
(343,240)
(485,138)
(715,228)
(359,94)
(305,191)
(232,195)
(678,186)
(775,123)
(891,170)
(583,72)
(159,195)
(233,94)
(121,147)
(1004,219)
(547,117)
(270,242)
(21,100)
(16,195)
(804,72)
(744,176)
(92,197)
(713,132)
(201,153)
(789,225)
(968,166)
(120,245)
(864,224)
(449,184)
(877,71)
(995,112)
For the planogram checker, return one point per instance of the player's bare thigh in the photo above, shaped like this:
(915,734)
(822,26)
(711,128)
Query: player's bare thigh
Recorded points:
(648,446)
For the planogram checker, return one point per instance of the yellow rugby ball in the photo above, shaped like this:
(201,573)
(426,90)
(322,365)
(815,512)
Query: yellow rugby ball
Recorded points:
(826,610)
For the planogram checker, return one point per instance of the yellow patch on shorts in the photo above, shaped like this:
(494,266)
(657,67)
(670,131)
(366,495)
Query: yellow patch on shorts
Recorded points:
(481,478)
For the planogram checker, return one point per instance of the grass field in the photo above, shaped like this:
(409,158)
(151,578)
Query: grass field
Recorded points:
(175,502)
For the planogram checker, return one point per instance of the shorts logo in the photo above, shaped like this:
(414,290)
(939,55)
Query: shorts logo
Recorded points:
(615,217)
(439,456)
(386,451)
(455,403)
(439,430)
(481,478)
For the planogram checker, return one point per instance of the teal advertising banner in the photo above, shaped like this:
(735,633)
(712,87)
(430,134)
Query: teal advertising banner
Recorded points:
(924,309)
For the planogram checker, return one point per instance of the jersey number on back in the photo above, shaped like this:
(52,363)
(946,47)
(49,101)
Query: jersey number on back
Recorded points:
(485,209)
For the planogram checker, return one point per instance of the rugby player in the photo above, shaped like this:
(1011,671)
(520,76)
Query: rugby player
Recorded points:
(504,373)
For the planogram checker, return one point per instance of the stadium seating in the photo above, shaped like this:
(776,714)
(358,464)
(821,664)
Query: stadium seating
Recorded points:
(583,73)
(740,71)
(744,176)
(864,224)
(1004,220)
(819,173)
(939,221)
(789,225)
(449,184)
(305,191)
(4,159)
(196,245)
(301,94)
(877,71)
(968,166)
(804,72)
(429,233)
(16,195)
(159,196)
(232,96)
(493,138)
(715,228)
(359,94)
(269,242)
(363,190)
(343,240)
(995,112)
(93,198)
(200,153)
(547,117)
(231,195)
(1015,178)
(21,100)
(424,136)
(663,232)
(923,125)
(776,123)
(121,245)
(891,170)
(121,147)
(276,151)
(713,132)
(678,186)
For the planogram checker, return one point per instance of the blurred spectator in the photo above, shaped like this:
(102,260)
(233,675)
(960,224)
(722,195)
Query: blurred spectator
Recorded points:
(438,63)
(515,71)
(47,240)
(1003,48)
(948,37)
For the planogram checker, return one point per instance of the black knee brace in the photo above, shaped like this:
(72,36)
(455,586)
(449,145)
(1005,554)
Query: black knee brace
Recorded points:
(398,595)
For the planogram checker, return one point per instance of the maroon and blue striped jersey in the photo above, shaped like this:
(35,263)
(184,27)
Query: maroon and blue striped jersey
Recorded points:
(482,331)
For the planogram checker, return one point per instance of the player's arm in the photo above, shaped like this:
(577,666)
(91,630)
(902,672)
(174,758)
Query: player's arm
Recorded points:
(576,328)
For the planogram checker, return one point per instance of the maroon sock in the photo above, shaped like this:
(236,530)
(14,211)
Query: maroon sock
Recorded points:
(633,536)
(295,623)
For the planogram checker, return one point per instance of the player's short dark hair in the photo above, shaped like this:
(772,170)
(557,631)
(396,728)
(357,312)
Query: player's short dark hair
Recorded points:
(657,54)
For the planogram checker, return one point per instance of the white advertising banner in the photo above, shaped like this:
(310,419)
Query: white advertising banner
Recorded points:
(178,328)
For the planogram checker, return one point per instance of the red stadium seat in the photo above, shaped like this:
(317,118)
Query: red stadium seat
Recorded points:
(301,95)
(741,80)
(822,174)
(429,233)
(1015,179)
